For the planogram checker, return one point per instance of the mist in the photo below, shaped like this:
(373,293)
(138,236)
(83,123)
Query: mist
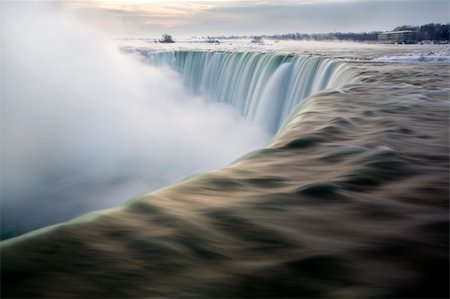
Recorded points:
(85,127)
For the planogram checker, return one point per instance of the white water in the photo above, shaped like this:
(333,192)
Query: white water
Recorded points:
(264,87)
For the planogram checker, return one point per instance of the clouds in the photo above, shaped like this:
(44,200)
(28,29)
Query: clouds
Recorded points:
(187,18)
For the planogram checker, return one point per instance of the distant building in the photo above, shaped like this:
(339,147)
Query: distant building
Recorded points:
(398,37)
(257,40)
(212,40)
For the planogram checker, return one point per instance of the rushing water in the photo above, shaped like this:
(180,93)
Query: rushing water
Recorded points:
(265,87)
(349,201)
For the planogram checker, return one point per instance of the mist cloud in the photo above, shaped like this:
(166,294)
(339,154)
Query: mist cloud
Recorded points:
(84,127)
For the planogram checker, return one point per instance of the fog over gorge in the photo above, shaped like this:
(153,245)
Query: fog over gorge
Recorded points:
(85,127)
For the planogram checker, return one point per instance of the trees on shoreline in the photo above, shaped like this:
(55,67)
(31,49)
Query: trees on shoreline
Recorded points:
(429,32)
(166,38)
(433,32)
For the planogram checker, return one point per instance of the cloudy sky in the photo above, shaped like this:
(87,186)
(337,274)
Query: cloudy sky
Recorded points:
(215,17)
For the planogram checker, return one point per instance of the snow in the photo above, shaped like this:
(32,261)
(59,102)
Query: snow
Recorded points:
(376,52)
(442,55)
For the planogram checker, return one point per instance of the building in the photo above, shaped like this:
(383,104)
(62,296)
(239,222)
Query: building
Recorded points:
(398,37)
(257,40)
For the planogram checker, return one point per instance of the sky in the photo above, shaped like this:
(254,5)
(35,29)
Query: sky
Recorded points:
(181,18)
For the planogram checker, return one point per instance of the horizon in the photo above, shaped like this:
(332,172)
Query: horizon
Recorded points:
(280,33)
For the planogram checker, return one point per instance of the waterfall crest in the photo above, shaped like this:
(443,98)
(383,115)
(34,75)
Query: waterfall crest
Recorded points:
(264,87)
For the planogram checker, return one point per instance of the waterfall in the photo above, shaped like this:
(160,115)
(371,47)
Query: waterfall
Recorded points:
(264,87)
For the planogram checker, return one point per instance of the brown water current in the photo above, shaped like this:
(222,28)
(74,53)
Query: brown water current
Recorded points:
(350,200)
